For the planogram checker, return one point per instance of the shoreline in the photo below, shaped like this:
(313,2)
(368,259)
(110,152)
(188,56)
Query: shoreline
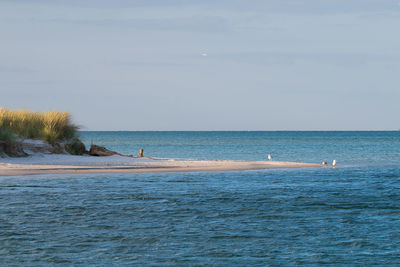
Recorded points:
(65,164)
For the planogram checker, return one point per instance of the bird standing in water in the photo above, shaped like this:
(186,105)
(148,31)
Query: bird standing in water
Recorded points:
(269,157)
(334,163)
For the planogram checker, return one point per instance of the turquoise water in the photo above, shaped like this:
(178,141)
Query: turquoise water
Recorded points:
(348,148)
(348,215)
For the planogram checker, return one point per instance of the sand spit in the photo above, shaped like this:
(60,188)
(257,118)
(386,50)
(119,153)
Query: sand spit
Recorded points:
(60,164)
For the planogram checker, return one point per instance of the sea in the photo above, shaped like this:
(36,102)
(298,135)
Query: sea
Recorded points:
(343,216)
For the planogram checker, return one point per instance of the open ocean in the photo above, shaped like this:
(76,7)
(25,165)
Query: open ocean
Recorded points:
(349,215)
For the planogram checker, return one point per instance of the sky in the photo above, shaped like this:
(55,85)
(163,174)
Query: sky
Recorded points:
(204,65)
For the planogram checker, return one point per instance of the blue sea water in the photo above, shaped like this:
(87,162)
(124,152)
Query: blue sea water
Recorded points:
(349,215)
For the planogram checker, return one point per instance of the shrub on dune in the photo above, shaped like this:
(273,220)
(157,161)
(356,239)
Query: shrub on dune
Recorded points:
(6,135)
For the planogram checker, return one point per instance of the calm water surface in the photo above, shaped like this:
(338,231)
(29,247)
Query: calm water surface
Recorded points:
(348,215)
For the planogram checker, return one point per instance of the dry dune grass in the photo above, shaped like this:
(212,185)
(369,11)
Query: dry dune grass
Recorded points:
(50,126)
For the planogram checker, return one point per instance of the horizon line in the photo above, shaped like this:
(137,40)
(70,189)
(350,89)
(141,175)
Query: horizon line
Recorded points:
(239,130)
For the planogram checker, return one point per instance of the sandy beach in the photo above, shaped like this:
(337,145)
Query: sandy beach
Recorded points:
(59,164)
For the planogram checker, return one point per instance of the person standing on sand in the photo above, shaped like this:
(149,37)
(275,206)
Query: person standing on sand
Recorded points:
(140,155)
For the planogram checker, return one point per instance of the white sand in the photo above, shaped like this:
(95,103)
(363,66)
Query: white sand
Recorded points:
(61,163)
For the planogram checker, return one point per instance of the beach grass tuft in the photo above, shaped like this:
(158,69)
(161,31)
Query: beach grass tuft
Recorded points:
(50,126)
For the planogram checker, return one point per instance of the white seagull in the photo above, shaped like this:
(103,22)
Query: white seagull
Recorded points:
(334,163)
(269,157)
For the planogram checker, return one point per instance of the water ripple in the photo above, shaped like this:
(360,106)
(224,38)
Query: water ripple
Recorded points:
(344,216)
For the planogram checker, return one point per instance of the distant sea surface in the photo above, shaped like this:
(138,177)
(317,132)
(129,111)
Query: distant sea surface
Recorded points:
(349,215)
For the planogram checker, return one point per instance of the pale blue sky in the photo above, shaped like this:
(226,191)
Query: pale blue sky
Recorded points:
(270,65)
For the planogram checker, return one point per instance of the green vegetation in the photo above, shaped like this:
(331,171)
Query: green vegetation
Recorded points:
(6,135)
(50,126)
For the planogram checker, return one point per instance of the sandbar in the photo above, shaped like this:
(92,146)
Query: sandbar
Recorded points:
(64,164)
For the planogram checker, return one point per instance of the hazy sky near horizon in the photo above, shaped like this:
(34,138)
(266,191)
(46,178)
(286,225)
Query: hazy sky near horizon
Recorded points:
(205,65)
